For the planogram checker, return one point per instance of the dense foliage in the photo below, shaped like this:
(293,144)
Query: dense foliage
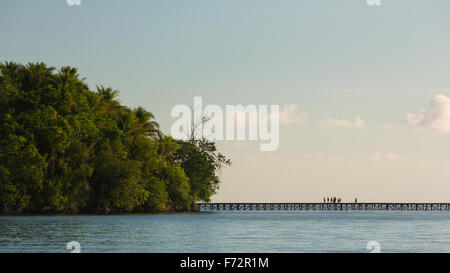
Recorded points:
(65,148)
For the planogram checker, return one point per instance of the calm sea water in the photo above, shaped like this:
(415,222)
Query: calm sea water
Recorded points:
(231,231)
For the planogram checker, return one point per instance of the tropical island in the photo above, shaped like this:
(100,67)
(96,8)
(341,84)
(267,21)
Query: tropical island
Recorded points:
(67,149)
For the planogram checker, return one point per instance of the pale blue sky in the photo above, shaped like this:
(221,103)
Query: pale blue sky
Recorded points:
(334,59)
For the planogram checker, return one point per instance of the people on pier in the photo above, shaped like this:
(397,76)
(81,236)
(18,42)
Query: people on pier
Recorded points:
(332,199)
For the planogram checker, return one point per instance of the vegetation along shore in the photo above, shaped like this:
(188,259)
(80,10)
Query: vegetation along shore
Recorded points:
(66,148)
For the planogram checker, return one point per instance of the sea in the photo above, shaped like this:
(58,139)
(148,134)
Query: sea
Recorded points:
(230,231)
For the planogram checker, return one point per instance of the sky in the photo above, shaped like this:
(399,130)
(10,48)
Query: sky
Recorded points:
(365,89)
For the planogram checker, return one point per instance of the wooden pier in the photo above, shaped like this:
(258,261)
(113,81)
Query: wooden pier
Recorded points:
(324,206)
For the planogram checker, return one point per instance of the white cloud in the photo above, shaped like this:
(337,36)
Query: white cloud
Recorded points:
(289,115)
(394,156)
(334,123)
(389,156)
(434,117)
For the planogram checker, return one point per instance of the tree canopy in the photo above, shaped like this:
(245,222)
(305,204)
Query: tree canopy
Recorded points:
(66,148)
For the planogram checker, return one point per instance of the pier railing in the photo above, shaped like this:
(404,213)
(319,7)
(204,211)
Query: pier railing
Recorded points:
(324,206)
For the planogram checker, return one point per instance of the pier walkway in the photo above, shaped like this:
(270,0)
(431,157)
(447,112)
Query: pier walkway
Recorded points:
(324,206)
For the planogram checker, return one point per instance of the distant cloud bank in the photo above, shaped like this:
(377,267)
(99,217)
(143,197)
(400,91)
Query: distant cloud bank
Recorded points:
(335,123)
(390,156)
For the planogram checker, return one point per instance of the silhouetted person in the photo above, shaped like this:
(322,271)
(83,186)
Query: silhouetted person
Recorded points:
(356,200)
(324,199)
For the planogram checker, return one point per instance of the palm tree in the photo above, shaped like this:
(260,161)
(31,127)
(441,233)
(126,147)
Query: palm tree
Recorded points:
(95,103)
(10,69)
(108,97)
(128,123)
(72,71)
(108,93)
(149,126)
(35,75)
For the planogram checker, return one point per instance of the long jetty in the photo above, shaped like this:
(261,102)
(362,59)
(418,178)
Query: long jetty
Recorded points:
(324,206)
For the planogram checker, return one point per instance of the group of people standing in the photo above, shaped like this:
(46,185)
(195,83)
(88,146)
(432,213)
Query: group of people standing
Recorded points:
(334,200)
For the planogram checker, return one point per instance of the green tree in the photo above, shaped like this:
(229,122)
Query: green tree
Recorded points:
(202,164)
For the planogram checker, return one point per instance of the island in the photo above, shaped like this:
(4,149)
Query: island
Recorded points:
(65,148)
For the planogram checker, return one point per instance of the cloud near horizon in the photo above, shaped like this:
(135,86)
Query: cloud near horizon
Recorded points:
(434,117)
(336,123)
(289,115)
(390,156)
